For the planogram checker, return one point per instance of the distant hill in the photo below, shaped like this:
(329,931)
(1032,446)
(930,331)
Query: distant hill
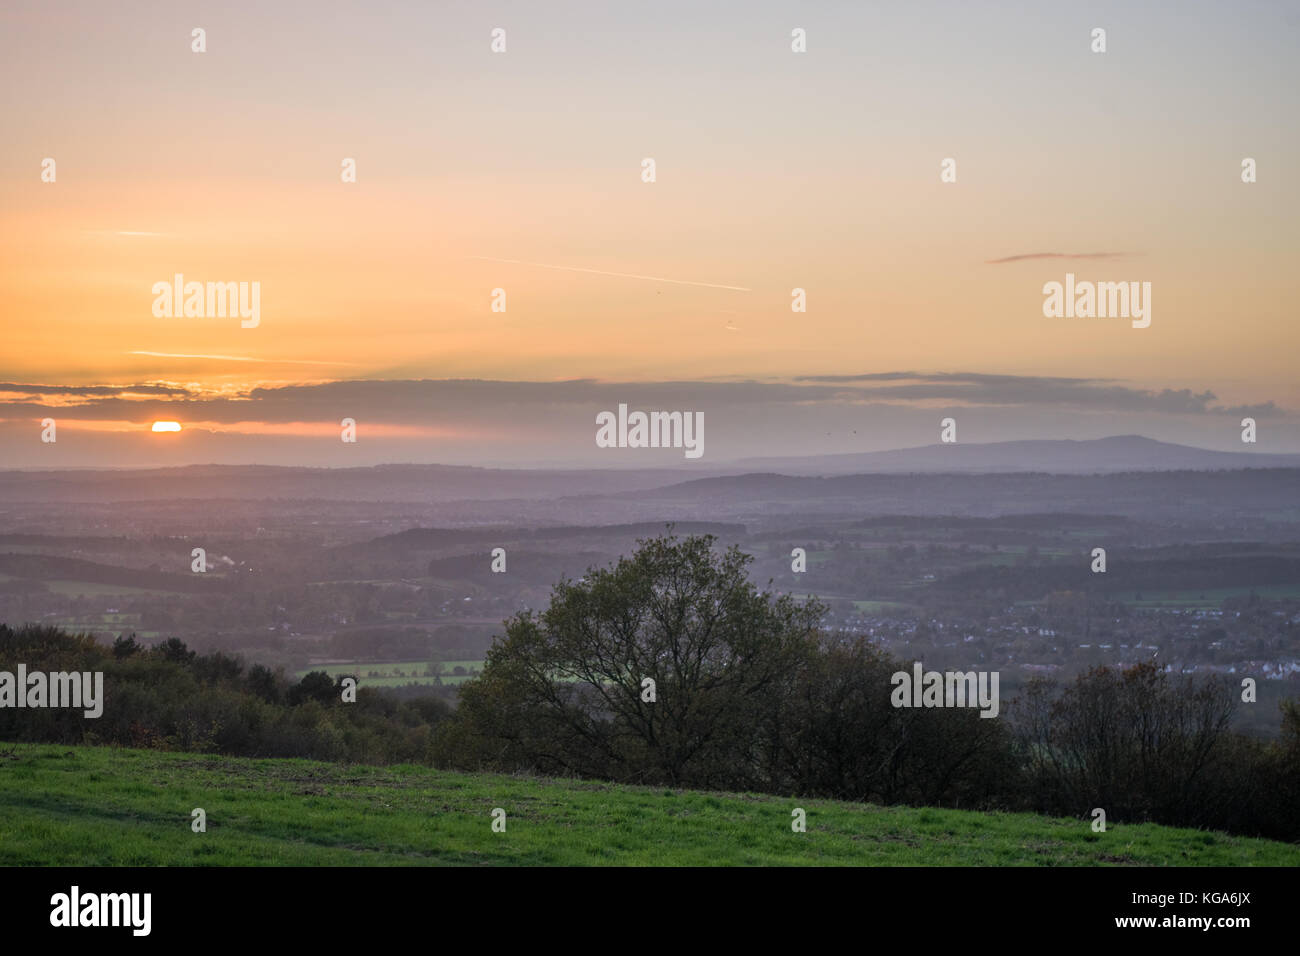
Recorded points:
(1227,497)
(380,483)
(444,483)
(1055,456)
(420,539)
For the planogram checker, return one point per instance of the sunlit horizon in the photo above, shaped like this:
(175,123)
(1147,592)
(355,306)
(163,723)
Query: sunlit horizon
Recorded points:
(499,242)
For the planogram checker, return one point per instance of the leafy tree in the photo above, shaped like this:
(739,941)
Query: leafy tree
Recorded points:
(262,682)
(173,649)
(568,691)
(317,686)
(124,647)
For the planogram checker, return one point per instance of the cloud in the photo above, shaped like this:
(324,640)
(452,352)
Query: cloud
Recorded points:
(237,358)
(978,377)
(92,390)
(977,388)
(1057,255)
(492,405)
(1266,410)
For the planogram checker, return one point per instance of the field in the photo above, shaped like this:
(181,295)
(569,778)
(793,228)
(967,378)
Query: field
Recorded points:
(1208,597)
(396,673)
(102,806)
(880,607)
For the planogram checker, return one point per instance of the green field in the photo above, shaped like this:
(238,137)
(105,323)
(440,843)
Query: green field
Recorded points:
(107,806)
(395,673)
(881,607)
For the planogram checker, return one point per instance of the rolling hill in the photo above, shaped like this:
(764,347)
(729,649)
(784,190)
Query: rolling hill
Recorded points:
(1054,456)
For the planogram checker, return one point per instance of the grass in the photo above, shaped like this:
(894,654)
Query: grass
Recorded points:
(108,806)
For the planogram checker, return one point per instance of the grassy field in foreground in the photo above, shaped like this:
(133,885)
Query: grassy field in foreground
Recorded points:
(92,806)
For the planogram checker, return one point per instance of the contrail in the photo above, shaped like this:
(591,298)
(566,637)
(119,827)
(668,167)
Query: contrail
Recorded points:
(1056,255)
(621,275)
(237,358)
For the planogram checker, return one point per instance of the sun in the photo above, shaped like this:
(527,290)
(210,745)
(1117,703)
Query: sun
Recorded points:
(166,426)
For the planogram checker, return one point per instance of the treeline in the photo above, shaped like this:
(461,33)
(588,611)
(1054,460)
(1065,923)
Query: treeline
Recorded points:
(438,538)
(1167,570)
(1143,745)
(168,697)
(48,567)
(1051,523)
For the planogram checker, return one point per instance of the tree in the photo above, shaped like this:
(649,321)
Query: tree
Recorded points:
(1137,742)
(570,690)
(125,647)
(263,682)
(317,686)
(173,649)
(844,738)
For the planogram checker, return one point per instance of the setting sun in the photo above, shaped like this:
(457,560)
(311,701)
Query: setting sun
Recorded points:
(166,426)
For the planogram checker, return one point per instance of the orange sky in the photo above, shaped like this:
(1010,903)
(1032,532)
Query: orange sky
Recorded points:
(775,171)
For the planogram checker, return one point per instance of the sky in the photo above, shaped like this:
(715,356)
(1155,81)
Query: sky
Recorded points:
(523,171)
